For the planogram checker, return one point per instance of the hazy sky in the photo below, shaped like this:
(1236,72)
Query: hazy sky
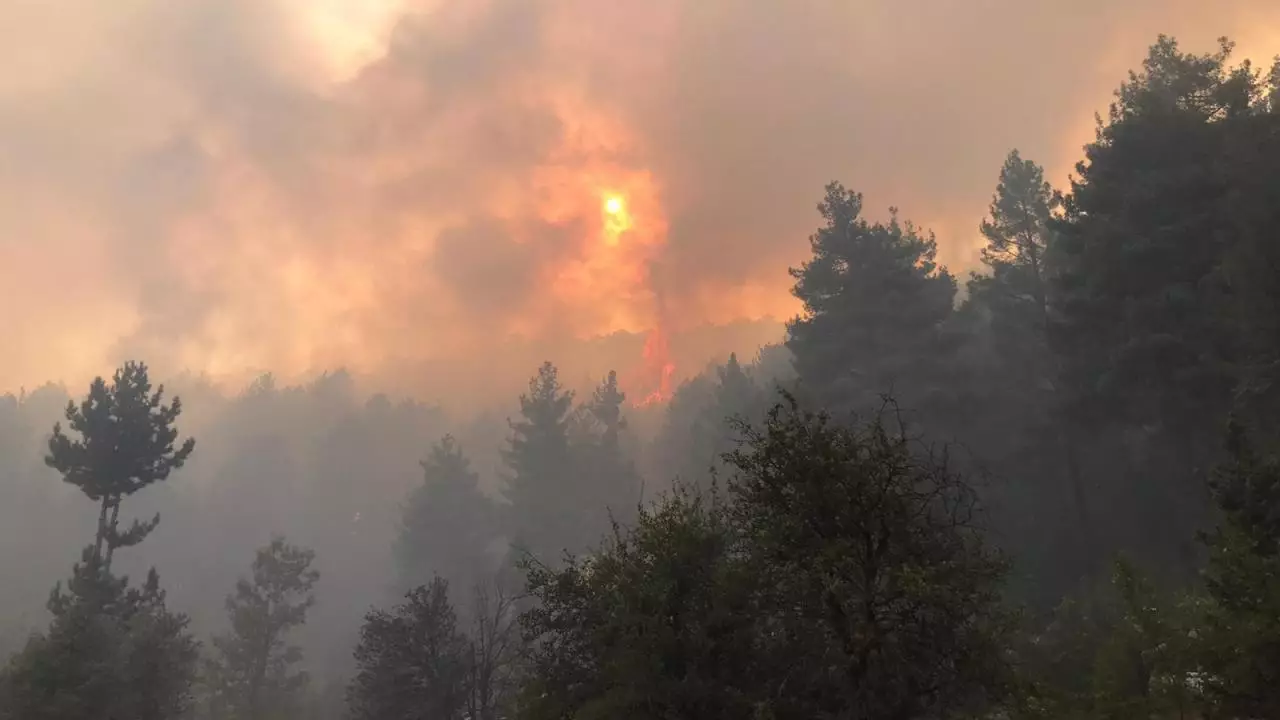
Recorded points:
(228,186)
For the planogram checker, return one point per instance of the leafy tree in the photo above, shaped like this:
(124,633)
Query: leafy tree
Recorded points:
(543,518)
(412,661)
(874,304)
(253,675)
(882,592)
(843,578)
(448,522)
(126,443)
(1125,651)
(656,624)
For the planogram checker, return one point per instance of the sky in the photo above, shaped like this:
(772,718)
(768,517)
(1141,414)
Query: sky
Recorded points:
(440,194)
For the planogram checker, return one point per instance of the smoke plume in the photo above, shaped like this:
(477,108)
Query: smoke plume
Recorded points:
(440,191)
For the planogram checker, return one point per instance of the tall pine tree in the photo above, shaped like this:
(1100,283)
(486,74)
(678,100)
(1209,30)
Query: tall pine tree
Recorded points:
(541,470)
(874,301)
(448,523)
(126,443)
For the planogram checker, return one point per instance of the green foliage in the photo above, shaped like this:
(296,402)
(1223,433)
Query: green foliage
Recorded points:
(1242,626)
(412,661)
(874,301)
(875,565)
(1125,651)
(126,443)
(656,624)
(111,651)
(253,675)
(843,579)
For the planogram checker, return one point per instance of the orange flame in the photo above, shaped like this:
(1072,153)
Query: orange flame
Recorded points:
(657,368)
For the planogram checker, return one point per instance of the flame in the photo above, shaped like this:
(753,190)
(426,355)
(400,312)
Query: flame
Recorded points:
(657,368)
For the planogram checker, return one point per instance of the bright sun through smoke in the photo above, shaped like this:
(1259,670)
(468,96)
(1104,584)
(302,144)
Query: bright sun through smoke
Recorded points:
(616,218)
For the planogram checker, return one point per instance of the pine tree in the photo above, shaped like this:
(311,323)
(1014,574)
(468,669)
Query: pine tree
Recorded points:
(448,522)
(253,675)
(1013,380)
(111,651)
(1145,352)
(541,471)
(412,661)
(609,482)
(874,301)
(606,410)
(1017,233)
(126,443)
(698,428)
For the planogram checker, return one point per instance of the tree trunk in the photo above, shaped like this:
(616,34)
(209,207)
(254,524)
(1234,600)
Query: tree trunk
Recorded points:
(110,532)
(102,529)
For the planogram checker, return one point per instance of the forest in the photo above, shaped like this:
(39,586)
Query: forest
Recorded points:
(1049,490)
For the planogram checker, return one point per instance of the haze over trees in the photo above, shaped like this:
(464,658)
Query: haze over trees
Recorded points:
(1055,495)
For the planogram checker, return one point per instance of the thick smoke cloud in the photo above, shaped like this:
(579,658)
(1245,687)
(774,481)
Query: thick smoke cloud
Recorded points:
(402,187)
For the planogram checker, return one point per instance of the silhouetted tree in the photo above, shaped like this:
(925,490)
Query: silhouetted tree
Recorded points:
(874,301)
(883,595)
(253,676)
(126,443)
(843,578)
(544,519)
(448,523)
(412,661)
(111,651)
(658,622)
(607,480)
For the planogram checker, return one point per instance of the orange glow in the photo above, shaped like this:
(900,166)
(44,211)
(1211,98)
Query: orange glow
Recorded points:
(656,369)
(617,220)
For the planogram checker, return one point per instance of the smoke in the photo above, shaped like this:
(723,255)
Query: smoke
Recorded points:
(415,189)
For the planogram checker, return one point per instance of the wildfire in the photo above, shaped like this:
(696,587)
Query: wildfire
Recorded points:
(657,368)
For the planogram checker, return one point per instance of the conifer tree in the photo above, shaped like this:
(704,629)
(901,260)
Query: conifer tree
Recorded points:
(540,465)
(609,482)
(253,675)
(874,301)
(127,442)
(111,651)
(448,522)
